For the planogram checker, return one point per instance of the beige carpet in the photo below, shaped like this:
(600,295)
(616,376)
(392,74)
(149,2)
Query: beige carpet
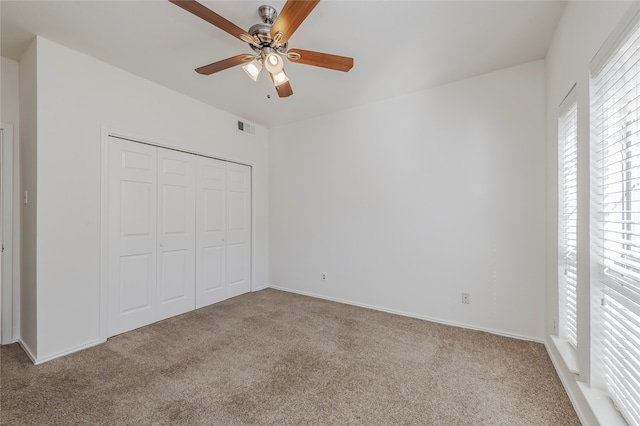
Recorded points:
(277,358)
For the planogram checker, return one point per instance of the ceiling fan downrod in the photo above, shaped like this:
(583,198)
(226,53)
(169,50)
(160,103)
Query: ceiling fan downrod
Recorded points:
(268,14)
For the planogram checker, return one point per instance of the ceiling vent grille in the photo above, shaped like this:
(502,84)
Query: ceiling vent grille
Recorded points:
(246,128)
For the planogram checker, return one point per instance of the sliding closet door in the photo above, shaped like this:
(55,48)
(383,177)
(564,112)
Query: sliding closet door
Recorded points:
(132,189)
(238,229)
(176,233)
(211,219)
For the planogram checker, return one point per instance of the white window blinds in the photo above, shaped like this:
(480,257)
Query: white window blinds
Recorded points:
(616,179)
(567,191)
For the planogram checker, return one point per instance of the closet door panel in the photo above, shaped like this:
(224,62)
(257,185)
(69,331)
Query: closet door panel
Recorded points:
(176,233)
(238,279)
(131,230)
(136,278)
(210,235)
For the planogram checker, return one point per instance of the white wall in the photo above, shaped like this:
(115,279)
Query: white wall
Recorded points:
(10,114)
(581,31)
(28,177)
(77,96)
(407,203)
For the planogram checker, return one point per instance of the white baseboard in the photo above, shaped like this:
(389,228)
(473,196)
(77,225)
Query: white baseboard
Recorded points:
(261,288)
(410,315)
(68,351)
(26,350)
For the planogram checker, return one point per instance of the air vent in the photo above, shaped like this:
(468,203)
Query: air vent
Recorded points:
(246,128)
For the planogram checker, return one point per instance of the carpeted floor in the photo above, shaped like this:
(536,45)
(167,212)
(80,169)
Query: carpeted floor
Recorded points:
(278,358)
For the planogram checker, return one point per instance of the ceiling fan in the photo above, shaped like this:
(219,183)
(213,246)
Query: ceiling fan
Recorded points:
(269,40)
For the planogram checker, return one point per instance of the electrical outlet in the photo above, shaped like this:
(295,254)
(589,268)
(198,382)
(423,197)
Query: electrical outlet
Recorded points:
(324,276)
(465,298)
(555,325)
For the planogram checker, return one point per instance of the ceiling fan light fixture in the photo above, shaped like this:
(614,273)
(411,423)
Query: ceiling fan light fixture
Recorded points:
(273,62)
(253,69)
(280,78)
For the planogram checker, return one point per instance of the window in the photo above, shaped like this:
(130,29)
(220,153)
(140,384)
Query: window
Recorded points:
(568,206)
(616,219)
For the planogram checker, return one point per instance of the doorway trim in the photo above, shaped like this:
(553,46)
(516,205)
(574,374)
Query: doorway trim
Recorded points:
(6,268)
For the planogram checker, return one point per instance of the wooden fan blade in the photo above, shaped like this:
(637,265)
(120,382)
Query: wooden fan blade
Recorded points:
(284,90)
(224,64)
(324,60)
(290,18)
(213,18)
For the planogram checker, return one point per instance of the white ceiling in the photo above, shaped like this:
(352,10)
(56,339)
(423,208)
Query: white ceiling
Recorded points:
(398,46)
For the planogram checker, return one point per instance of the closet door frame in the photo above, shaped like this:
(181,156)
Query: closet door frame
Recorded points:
(108,132)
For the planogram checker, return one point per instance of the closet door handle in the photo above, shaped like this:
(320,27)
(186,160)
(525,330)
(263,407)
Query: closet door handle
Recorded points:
(161,245)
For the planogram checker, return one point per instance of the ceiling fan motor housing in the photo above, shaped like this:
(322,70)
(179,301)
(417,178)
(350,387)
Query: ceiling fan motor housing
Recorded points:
(263,33)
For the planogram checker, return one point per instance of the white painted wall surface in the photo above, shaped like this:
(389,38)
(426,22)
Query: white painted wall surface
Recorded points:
(407,203)
(10,114)
(581,32)
(28,177)
(77,96)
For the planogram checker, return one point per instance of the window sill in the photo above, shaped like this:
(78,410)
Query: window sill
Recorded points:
(568,354)
(598,402)
(602,406)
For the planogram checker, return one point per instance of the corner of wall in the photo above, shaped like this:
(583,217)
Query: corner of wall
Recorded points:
(28,107)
